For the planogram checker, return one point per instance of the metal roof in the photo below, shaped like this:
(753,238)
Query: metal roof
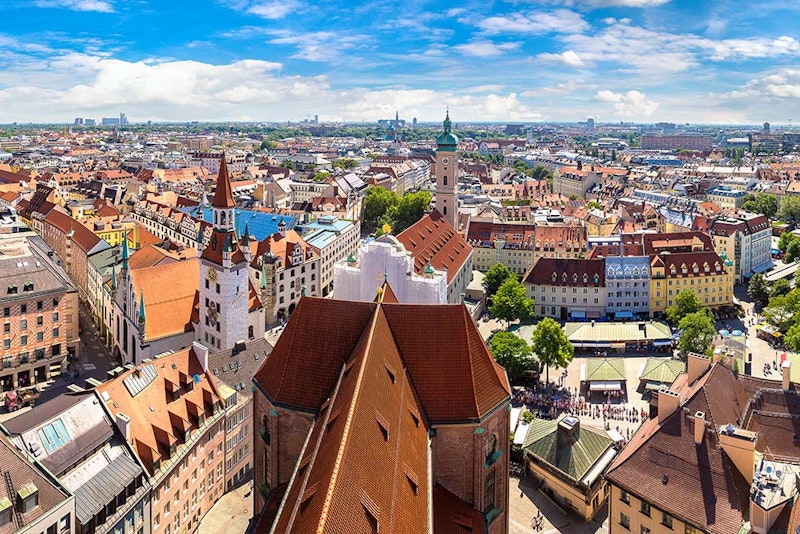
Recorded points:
(136,384)
(605,369)
(662,370)
(617,332)
(93,495)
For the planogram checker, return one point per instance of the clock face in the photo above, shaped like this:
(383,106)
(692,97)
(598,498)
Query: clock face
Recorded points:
(212,274)
(445,160)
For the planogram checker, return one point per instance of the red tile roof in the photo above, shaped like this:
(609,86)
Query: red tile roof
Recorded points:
(223,196)
(433,240)
(563,272)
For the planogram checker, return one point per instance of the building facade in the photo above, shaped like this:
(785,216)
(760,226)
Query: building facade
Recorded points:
(333,240)
(746,239)
(567,289)
(447,174)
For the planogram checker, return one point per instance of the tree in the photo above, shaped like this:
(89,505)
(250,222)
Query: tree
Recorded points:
(758,289)
(345,163)
(321,176)
(780,287)
(763,203)
(410,209)
(376,204)
(510,302)
(785,239)
(551,345)
(792,251)
(286,164)
(697,332)
(686,302)
(494,278)
(783,309)
(790,209)
(511,352)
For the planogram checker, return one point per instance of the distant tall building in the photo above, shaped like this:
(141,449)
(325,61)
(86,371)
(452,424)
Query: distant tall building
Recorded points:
(765,130)
(89,122)
(414,122)
(316,119)
(590,123)
(123,119)
(447,173)
(78,121)
(109,121)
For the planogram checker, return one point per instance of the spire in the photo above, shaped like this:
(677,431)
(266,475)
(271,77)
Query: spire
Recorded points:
(113,277)
(245,240)
(447,124)
(200,234)
(125,254)
(142,315)
(223,196)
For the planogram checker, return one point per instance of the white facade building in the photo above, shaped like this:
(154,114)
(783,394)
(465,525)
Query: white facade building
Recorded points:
(386,259)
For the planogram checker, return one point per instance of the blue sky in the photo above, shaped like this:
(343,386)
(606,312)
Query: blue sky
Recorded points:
(697,61)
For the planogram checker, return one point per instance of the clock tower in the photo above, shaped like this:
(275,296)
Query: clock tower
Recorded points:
(224,283)
(447,173)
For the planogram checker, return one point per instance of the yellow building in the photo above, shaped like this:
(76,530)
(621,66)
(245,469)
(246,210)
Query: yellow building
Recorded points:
(113,231)
(706,273)
(568,462)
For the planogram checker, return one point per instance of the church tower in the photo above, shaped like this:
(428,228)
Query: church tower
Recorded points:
(447,174)
(224,284)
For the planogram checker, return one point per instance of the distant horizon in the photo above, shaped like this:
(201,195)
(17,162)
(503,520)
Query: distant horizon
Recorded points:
(541,61)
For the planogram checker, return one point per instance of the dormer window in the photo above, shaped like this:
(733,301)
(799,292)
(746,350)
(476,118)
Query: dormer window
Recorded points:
(564,278)
(596,279)
(575,278)
(717,267)
(12,289)
(28,497)
(555,278)
(684,269)
(28,286)
(585,278)
(672,270)
(706,268)
(695,268)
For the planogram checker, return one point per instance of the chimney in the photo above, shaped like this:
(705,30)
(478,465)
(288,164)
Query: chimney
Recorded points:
(124,426)
(696,366)
(238,347)
(668,402)
(786,368)
(740,446)
(201,351)
(699,427)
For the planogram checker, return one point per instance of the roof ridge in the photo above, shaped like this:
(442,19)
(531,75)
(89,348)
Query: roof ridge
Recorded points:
(465,317)
(348,423)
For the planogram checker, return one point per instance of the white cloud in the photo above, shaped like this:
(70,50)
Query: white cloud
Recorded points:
(569,58)
(632,104)
(267,9)
(485,48)
(535,22)
(619,3)
(781,85)
(77,5)
(317,46)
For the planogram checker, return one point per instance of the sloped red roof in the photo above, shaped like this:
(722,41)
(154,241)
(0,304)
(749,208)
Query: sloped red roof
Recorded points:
(433,240)
(223,196)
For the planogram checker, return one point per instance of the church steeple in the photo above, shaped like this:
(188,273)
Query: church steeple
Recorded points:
(223,196)
(125,254)
(447,173)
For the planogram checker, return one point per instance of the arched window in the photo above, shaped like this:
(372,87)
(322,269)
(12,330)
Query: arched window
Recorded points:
(250,332)
(444,179)
(222,219)
(265,429)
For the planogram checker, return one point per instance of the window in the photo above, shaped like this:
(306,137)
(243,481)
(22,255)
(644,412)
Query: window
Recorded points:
(39,336)
(666,520)
(55,332)
(645,508)
(23,324)
(624,521)
(64,523)
(23,340)
(7,344)
(23,308)
(488,491)
(6,312)
(644,530)
(625,497)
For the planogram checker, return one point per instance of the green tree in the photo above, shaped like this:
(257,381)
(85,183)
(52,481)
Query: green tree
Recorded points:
(345,163)
(764,203)
(551,345)
(790,209)
(321,176)
(785,239)
(780,287)
(265,144)
(686,302)
(286,164)
(511,352)
(792,338)
(376,204)
(758,289)
(783,309)
(494,278)
(410,209)
(510,302)
(792,251)
(697,332)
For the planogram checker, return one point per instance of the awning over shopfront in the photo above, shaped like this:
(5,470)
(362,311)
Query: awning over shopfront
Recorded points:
(614,385)
(578,314)
(623,315)
(593,345)
(764,266)
(592,314)
(662,342)
(653,386)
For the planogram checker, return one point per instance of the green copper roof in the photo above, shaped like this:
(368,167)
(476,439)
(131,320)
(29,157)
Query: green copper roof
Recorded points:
(142,315)
(351,258)
(574,455)
(429,269)
(662,370)
(125,254)
(447,139)
(605,369)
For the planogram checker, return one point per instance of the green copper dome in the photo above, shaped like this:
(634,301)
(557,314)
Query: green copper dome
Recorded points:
(447,141)
(429,269)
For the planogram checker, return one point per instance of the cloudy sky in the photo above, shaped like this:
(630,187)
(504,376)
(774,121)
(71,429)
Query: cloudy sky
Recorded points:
(698,61)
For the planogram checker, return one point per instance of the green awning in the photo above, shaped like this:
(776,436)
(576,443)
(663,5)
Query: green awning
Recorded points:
(653,386)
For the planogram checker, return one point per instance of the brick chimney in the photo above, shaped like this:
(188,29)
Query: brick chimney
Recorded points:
(668,402)
(786,369)
(124,426)
(201,351)
(699,427)
(740,446)
(696,366)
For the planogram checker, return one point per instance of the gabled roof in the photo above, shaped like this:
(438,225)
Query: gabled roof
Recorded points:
(605,369)
(664,370)
(433,240)
(169,291)
(305,363)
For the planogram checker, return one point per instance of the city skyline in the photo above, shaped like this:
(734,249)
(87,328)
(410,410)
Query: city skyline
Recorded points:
(265,60)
